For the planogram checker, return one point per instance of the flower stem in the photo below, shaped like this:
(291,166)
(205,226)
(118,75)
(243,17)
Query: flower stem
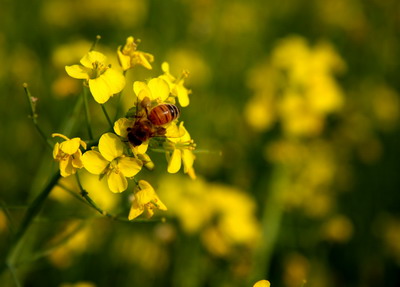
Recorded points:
(271,222)
(32,211)
(119,96)
(107,116)
(32,104)
(90,201)
(87,113)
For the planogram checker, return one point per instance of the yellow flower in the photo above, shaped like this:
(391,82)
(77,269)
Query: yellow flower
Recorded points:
(111,161)
(103,81)
(262,283)
(156,89)
(145,200)
(176,85)
(182,148)
(68,154)
(129,57)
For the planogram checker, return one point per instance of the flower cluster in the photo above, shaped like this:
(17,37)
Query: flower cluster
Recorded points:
(151,125)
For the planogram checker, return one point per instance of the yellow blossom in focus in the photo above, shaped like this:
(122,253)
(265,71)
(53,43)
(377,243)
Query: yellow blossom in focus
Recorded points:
(111,161)
(145,200)
(103,81)
(262,283)
(68,153)
(129,56)
(176,85)
(156,89)
(182,151)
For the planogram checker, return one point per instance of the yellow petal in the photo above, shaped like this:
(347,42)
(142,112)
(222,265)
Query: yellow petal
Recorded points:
(182,94)
(60,135)
(262,283)
(165,67)
(159,89)
(117,182)
(77,160)
(144,59)
(124,60)
(71,146)
(66,168)
(141,149)
(174,163)
(129,166)
(114,79)
(77,71)
(145,93)
(110,146)
(185,134)
(160,204)
(187,159)
(138,86)
(136,210)
(100,90)
(94,162)
(56,150)
(83,144)
(121,126)
(92,57)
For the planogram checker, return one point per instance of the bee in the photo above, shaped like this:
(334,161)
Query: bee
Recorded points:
(150,122)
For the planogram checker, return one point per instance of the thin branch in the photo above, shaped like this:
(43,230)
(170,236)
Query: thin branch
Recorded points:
(32,104)
(87,113)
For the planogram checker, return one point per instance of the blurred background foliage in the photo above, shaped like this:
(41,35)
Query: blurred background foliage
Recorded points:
(297,104)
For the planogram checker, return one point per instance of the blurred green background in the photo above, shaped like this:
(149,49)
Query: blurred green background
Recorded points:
(295,105)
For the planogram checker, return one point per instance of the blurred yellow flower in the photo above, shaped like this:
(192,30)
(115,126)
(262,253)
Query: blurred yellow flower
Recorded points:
(338,229)
(103,81)
(223,215)
(129,56)
(176,85)
(156,89)
(262,283)
(145,200)
(296,86)
(111,161)
(182,151)
(68,153)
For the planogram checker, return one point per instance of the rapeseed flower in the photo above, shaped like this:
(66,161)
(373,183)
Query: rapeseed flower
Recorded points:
(156,89)
(111,161)
(180,149)
(69,155)
(176,85)
(145,200)
(129,56)
(103,81)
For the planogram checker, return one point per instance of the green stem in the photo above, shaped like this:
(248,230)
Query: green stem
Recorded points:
(87,113)
(90,201)
(32,211)
(34,115)
(14,276)
(119,96)
(271,222)
(107,116)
